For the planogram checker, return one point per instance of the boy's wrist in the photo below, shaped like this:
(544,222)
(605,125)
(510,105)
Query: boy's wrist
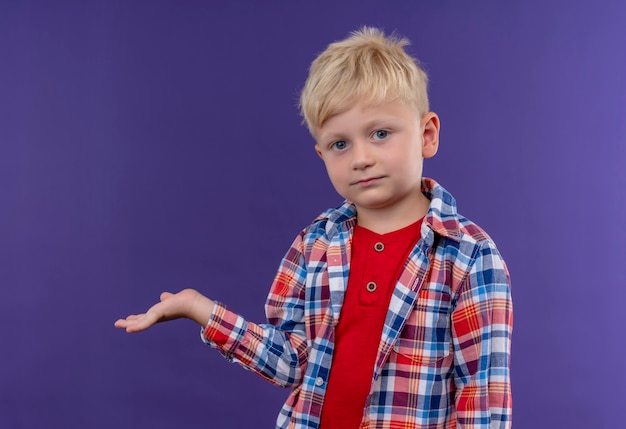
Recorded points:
(201,309)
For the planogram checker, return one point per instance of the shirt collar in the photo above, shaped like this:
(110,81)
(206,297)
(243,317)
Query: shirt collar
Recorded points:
(441,217)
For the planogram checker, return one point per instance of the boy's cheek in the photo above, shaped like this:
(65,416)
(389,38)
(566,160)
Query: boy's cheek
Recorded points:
(337,181)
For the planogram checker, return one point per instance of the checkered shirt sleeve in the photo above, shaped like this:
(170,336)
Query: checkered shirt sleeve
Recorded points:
(482,322)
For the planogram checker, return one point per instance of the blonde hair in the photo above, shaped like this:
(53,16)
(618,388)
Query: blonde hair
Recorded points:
(367,67)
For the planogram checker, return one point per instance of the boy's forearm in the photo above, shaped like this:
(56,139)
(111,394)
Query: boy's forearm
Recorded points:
(277,355)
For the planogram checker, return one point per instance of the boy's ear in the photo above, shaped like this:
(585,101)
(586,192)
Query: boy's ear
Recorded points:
(430,134)
(318,151)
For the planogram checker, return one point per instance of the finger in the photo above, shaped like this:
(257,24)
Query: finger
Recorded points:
(129,325)
(135,328)
(123,323)
(135,316)
(120,323)
(131,319)
(165,295)
(142,323)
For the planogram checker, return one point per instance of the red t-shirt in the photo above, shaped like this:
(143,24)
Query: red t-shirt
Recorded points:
(375,266)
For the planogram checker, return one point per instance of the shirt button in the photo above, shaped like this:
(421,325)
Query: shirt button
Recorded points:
(319,381)
(379,247)
(371,287)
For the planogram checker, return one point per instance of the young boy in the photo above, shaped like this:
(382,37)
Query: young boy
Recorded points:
(391,311)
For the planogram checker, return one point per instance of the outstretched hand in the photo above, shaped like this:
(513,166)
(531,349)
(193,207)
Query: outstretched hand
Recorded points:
(187,303)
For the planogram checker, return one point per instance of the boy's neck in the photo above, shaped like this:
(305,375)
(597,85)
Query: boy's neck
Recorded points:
(393,218)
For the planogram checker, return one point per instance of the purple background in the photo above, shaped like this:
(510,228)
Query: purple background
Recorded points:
(150,146)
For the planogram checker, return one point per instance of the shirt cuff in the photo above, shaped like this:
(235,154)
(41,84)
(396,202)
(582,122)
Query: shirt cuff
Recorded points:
(224,330)
(203,329)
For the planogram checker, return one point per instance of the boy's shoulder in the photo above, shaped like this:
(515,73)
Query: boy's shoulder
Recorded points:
(444,218)
(465,242)
(470,229)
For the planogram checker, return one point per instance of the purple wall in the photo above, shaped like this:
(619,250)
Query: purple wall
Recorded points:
(150,148)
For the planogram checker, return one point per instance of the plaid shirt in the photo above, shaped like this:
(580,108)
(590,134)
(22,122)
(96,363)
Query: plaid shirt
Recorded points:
(443,358)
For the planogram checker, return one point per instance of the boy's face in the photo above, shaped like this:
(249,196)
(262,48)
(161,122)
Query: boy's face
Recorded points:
(374,154)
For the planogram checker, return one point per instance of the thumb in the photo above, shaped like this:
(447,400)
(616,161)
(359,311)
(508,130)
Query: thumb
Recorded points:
(165,295)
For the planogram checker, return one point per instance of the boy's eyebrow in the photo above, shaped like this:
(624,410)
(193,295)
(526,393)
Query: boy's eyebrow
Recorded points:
(324,137)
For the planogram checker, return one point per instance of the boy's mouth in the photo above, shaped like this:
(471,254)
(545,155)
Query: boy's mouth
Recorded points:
(368,181)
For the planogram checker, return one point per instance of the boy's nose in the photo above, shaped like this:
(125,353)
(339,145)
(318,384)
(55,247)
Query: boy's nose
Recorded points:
(361,156)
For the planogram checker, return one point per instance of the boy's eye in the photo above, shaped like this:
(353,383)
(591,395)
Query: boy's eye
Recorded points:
(381,134)
(340,145)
